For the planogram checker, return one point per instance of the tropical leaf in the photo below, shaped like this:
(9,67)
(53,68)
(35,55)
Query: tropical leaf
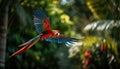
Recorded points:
(103,9)
(102,27)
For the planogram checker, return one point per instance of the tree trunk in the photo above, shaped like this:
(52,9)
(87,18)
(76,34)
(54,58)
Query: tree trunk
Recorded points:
(3,31)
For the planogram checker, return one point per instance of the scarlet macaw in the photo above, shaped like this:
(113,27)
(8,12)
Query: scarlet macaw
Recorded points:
(42,25)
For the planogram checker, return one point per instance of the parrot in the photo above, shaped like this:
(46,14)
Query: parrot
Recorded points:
(45,32)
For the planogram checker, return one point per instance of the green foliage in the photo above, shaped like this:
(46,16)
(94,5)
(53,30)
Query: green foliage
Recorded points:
(99,47)
(96,54)
(104,9)
(101,50)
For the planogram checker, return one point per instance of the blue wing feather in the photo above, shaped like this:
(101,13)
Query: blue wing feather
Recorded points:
(61,40)
(38,25)
(39,15)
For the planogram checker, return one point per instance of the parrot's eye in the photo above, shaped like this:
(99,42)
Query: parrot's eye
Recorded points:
(57,33)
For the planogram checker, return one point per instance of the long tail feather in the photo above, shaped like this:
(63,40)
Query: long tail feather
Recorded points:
(28,42)
(24,44)
(23,49)
(20,51)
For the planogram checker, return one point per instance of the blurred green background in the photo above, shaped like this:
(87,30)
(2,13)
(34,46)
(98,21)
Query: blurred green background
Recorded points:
(95,22)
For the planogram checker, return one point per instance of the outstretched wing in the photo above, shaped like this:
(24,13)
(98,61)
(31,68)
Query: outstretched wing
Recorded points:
(62,40)
(41,21)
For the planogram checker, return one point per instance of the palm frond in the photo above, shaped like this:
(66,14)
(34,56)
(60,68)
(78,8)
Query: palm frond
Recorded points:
(101,26)
(104,9)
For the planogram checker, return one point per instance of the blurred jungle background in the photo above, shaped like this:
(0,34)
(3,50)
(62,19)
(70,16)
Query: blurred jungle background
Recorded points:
(95,22)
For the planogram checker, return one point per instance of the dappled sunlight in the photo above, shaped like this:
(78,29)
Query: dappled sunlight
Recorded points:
(65,19)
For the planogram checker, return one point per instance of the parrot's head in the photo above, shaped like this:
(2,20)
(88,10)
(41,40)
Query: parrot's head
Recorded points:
(56,32)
